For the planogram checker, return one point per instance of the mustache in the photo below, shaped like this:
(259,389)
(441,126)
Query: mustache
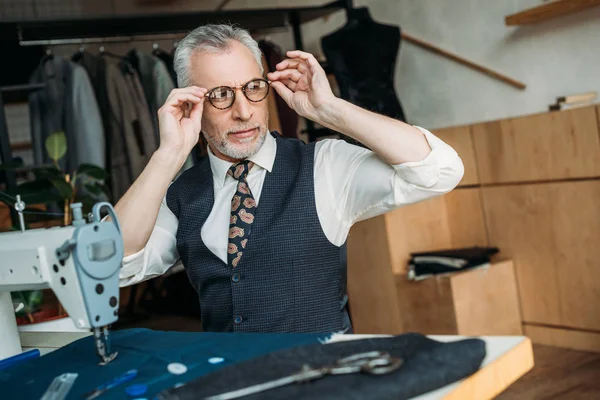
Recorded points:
(242,128)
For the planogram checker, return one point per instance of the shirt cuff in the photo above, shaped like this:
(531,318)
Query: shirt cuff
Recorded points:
(132,265)
(426,173)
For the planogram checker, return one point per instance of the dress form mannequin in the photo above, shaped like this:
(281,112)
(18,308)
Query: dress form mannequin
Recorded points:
(362,56)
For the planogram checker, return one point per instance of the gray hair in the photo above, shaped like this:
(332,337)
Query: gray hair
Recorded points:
(213,38)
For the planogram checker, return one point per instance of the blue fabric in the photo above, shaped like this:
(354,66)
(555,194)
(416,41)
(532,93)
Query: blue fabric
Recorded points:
(291,278)
(147,350)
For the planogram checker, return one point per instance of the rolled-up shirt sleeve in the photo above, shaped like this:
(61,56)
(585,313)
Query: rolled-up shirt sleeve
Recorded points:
(159,254)
(353,184)
(440,171)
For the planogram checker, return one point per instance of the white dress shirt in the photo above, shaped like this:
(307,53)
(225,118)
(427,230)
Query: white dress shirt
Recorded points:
(351,184)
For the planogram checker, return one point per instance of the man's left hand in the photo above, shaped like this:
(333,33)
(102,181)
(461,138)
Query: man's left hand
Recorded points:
(303,85)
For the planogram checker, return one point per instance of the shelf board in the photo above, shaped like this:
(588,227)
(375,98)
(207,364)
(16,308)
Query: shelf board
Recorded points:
(150,24)
(550,10)
(18,93)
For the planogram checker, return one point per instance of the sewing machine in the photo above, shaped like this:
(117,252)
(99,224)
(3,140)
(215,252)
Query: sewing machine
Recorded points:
(79,262)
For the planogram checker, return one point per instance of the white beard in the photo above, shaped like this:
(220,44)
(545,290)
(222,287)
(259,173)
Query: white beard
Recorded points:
(241,152)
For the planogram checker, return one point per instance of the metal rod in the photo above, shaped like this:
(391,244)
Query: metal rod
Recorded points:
(110,39)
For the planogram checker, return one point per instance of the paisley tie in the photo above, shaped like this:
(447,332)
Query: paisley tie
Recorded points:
(243,207)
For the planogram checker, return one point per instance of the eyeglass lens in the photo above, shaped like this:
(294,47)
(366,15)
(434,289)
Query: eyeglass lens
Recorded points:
(224,96)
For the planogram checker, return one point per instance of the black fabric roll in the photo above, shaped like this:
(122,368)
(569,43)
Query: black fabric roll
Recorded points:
(428,365)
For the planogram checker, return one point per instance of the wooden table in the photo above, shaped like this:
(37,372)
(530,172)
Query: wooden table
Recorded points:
(508,358)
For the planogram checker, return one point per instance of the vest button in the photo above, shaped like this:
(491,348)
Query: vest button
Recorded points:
(238,320)
(235,277)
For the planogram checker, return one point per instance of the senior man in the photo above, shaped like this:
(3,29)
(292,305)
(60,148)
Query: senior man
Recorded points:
(261,224)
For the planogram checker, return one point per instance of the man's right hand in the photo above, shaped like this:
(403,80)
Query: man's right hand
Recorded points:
(178,124)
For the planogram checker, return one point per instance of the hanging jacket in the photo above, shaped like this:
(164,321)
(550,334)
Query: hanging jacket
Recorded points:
(132,141)
(157,85)
(66,104)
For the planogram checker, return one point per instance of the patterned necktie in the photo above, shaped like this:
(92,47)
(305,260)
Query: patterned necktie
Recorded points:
(243,207)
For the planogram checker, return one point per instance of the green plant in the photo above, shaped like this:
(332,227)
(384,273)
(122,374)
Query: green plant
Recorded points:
(52,185)
(27,302)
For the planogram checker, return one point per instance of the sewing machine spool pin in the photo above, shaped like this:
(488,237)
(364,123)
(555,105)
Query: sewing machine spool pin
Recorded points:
(20,206)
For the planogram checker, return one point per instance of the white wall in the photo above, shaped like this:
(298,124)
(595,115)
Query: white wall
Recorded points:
(554,58)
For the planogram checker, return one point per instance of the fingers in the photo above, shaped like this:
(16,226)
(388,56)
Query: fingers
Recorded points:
(193,94)
(193,90)
(196,111)
(292,74)
(284,91)
(289,84)
(300,65)
(307,57)
(177,99)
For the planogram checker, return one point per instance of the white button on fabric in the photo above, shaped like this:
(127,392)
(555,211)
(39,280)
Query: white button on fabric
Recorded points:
(177,368)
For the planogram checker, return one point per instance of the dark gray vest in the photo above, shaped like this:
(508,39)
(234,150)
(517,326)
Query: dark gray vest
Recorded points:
(290,278)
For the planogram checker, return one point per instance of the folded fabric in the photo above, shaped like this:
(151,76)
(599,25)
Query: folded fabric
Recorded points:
(467,253)
(424,264)
(428,365)
(423,270)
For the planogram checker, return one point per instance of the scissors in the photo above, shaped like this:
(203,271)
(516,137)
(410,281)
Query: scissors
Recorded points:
(373,362)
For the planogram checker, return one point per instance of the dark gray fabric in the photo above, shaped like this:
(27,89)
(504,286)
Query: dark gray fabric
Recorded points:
(291,278)
(132,140)
(66,104)
(91,64)
(47,108)
(428,365)
(144,65)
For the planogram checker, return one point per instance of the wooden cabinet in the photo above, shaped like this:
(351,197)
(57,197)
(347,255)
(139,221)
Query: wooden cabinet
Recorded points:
(466,221)
(549,146)
(371,285)
(481,301)
(552,232)
(532,190)
(379,250)
(460,139)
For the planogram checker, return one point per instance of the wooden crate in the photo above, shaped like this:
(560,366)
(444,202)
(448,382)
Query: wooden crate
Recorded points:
(480,301)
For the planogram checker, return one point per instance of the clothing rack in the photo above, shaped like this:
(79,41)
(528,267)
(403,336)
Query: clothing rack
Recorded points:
(28,31)
(101,40)
(145,27)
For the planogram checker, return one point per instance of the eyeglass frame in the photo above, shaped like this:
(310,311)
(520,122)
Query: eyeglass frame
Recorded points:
(234,89)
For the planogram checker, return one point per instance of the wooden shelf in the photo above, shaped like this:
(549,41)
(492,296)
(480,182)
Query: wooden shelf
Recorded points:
(20,146)
(550,10)
(19,93)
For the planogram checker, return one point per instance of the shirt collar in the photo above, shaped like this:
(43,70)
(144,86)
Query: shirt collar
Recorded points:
(264,158)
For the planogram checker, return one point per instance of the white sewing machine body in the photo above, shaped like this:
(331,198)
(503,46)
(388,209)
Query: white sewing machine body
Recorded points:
(80,263)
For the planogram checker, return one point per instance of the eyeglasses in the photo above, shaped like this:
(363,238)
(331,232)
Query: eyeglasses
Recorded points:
(223,97)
